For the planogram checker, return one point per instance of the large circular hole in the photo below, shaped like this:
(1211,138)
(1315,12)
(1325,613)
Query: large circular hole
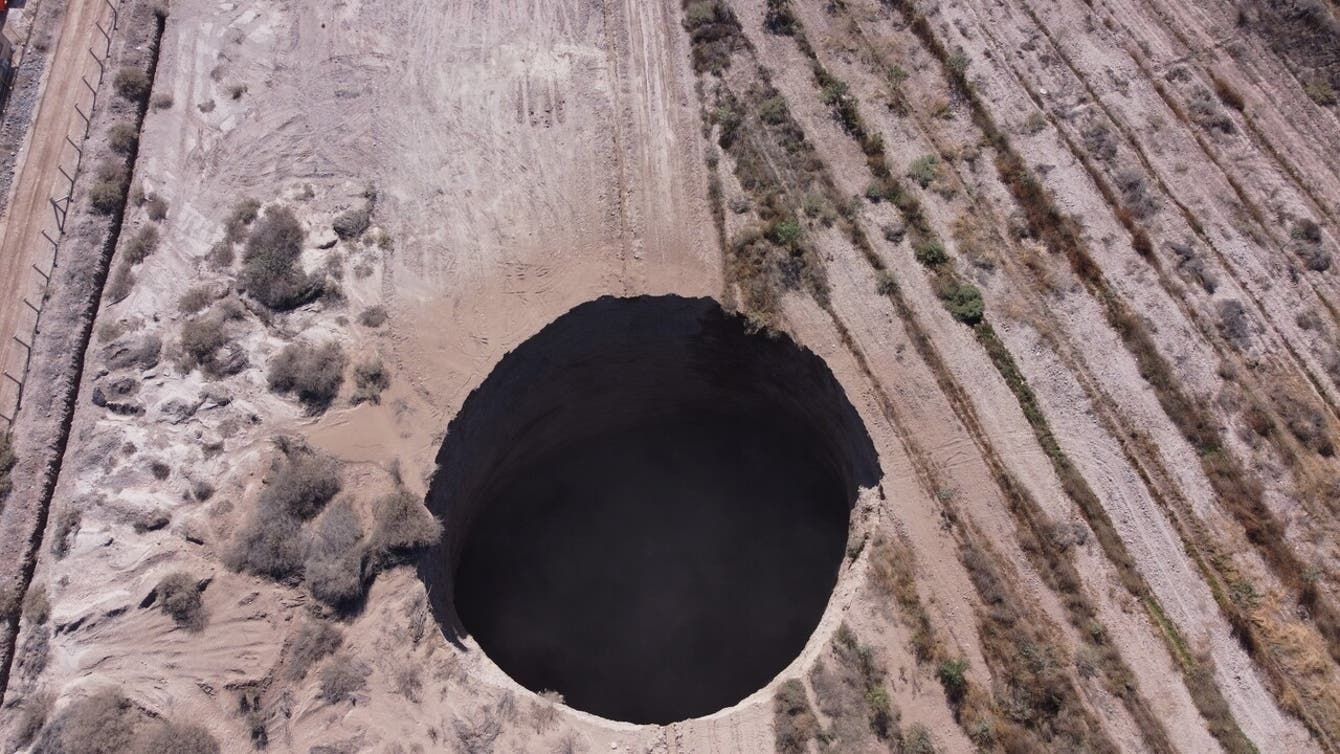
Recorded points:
(646,507)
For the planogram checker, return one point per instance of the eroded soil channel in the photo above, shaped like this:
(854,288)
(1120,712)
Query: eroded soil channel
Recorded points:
(647,507)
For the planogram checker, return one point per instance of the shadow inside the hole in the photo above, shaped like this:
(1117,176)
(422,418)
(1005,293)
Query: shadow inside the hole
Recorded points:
(716,467)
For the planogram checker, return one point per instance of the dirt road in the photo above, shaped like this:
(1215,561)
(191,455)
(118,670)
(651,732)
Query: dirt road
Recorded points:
(38,178)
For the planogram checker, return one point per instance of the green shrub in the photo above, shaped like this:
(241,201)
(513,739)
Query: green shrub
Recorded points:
(132,84)
(953,675)
(924,170)
(964,301)
(270,270)
(370,379)
(930,252)
(786,232)
(313,373)
(773,110)
(178,593)
(140,245)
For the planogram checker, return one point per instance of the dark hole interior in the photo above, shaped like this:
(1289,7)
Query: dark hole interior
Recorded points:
(646,508)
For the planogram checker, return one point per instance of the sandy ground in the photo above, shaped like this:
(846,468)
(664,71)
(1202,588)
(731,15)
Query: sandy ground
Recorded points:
(528,157)
(29,219)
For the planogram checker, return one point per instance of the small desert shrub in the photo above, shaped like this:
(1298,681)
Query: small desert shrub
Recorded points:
(120,284)
(179,596)
(314,641)
(195,300)
(122,137)
(235,91)
(1207,113)
(1233,322)
(773,110)
(373,316)
(269,544)
(953,675)
(1099,141)
(32,715)
(156,207)
(370,379)
(140,245)
(169,737)
(132,84)
(924,170)
(109,187)
(313,373)
(929,252)
(401,523)
(964,301)
(793,719)
(1135,194)
(302,487)
(1306,230)
(241,218)
(270,270)
(104,723)
(334,565)
(341,677)
(201,339)
(36,605)
(7,461)
(1321,92)
(918,740)
(353,223)
(162,101)
(66,525)
(885,283)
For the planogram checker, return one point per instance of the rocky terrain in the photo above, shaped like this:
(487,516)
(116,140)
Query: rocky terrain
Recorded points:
(1071,262)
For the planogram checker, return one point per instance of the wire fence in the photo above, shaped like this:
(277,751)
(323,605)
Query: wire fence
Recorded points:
(59,186)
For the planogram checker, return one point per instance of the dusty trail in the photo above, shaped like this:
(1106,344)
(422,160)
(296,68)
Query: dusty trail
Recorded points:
(38,180)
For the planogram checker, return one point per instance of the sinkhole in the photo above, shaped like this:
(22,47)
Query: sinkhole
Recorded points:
(646,508)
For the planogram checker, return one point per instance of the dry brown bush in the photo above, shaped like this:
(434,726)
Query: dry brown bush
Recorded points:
(178,593)
(373,316)
(7,461)
(341,677)
(402,524)
(794,723)
(370,379)
(334,565)
(270,270)
(313,373)
(66,524)
(314,641)
(132,84)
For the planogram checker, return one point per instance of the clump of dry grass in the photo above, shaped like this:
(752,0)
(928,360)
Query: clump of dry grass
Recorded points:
(178,594)
(793,719)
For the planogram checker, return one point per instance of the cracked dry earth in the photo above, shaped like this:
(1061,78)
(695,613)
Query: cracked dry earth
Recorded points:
(1037,294)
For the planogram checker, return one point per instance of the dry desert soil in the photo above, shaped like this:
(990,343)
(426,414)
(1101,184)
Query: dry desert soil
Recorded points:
(658,376)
